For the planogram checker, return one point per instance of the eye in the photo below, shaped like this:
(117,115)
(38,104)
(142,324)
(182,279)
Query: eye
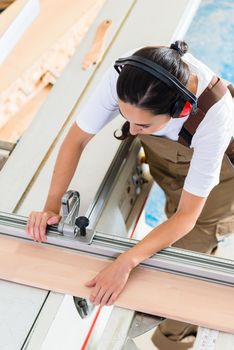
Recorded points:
(145,126)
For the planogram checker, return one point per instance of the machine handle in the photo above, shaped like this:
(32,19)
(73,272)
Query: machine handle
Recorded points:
(68,201)
(82,222)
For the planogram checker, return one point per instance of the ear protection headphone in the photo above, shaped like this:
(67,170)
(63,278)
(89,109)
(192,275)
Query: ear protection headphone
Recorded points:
(187,100)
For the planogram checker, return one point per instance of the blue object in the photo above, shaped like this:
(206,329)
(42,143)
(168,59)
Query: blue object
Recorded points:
(154,208)
(210,39)
(210,36)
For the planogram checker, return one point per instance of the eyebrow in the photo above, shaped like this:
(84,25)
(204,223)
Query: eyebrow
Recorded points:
(146,125)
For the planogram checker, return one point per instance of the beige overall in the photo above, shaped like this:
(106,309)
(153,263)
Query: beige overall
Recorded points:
(169,163)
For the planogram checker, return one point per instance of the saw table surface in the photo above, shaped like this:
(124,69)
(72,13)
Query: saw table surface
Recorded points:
(164,294)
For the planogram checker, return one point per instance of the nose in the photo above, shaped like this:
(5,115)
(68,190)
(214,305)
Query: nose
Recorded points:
(134,129)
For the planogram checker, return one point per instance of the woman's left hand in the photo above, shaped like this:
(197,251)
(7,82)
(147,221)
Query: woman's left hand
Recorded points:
(108,283)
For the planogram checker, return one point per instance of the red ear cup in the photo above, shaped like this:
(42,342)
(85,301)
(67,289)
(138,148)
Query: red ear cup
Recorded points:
(186,110)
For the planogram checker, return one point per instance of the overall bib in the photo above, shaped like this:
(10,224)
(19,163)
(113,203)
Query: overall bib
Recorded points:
(169,163)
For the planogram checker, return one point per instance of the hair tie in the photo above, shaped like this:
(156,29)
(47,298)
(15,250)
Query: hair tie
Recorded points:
(175,47)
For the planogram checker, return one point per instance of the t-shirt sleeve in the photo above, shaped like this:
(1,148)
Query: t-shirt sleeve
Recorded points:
(102,106)
(210,143)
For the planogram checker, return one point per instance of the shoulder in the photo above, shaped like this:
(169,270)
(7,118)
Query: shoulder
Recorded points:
(209,144)
(220,116)
(201,70)
(216,130)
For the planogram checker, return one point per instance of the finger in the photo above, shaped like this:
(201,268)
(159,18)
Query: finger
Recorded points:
(42,227)
(99,296)
(31,226)
(37,228)
(53,220)
(94,294)
(113,298)
(106,298)
(27,228)
(91,283)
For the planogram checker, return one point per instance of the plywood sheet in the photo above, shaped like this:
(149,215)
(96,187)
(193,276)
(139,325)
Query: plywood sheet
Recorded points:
(62,270)
(54,20)
(56,113)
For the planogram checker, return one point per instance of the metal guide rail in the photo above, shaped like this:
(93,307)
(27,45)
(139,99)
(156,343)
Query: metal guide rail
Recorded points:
(75,236)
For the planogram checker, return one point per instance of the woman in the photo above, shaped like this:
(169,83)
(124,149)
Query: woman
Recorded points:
(200,203)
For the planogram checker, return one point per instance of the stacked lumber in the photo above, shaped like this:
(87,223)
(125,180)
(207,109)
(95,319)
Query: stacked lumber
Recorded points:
(38,60)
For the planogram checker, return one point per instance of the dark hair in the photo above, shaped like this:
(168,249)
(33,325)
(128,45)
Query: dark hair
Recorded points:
(141,89)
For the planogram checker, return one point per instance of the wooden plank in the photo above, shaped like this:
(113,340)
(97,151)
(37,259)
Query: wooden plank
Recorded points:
(13,26)
(31,65)
(55,113)
(154,292)
(17,125)
(46,30)
(10,14)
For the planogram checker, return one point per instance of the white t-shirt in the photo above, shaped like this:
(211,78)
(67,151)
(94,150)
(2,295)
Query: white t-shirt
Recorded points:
(209,142)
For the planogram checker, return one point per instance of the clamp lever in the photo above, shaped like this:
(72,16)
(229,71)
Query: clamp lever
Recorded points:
(82,222)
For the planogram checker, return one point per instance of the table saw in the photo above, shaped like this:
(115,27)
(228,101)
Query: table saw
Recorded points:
(96,234)
(32,318)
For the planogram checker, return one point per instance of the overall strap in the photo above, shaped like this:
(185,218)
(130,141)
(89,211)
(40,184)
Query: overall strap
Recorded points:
(230,151)
(212,94)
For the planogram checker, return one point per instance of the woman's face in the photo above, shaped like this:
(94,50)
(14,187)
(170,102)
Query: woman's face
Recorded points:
(142,121)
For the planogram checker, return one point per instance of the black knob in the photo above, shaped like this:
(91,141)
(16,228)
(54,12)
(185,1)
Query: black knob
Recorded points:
(82,222)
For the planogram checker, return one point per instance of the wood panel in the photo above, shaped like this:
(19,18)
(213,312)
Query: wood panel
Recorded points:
(54,20)
(55,113)
(52,268)
(17,125)
(29,67)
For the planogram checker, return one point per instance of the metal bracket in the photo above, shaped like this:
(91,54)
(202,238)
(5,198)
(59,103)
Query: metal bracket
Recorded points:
(83,306)
(69,224)
(141,324)
(70,206)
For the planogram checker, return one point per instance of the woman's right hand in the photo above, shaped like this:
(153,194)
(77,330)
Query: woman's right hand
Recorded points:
(37,222)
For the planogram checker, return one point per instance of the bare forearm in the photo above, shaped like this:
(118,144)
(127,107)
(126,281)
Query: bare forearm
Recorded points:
(65,166)
(159,238)
(181,223)
(64,169)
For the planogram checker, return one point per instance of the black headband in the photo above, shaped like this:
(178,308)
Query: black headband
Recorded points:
(160,73)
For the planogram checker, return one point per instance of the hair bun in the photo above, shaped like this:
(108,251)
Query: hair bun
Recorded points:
(180,46)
